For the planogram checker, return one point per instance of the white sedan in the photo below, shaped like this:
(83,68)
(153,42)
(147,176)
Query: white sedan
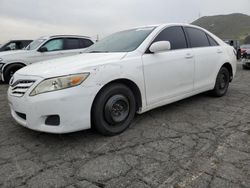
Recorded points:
(130,71)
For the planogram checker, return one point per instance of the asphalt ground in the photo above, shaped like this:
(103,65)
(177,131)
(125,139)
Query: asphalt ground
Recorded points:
(201,141)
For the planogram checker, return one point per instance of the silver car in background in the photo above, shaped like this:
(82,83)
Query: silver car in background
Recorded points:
(44,48)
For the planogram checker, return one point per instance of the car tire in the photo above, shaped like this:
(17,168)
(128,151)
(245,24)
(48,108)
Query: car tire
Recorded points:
(113,109)
(10,70)
(238,54)
(222,83)
(244,67)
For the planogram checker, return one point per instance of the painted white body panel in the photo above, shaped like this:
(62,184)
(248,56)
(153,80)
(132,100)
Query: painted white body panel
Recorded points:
(162,78)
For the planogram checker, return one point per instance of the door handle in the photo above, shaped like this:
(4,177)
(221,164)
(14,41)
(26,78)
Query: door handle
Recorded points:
(189,56)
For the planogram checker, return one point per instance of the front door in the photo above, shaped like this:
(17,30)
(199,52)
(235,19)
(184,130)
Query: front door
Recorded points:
(169,74)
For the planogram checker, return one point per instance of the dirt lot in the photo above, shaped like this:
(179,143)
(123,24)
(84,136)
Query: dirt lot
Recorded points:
(198,142)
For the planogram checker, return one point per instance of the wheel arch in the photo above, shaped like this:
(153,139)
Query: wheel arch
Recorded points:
(9,64)
(229,67)
(131,85)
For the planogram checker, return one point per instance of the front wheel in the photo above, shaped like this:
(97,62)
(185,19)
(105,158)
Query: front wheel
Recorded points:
(222,83)
(113,109)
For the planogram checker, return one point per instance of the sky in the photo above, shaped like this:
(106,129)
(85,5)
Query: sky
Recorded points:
(30,19)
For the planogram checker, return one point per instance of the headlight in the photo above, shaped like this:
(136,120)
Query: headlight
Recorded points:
(59,83)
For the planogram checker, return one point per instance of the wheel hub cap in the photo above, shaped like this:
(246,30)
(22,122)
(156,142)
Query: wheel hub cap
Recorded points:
(223,81)
(116,109)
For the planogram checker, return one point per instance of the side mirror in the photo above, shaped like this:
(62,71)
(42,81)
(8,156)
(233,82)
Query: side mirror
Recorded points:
(43,49)
(160,46)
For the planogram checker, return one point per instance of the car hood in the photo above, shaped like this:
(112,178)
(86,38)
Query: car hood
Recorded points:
(70,65)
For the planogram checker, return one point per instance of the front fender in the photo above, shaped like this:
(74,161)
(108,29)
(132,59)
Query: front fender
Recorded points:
(6,65)
(125,70)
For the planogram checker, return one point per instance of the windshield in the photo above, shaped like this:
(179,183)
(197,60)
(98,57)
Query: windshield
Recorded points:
(245,46)
(124,41)
(33,45)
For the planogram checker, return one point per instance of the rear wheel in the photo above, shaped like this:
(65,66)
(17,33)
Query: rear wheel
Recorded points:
(238,54)
(222,83)
(244,67)
(10,70)
(113,109)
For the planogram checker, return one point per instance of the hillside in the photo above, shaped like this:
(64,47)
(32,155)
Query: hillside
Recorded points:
(232,26)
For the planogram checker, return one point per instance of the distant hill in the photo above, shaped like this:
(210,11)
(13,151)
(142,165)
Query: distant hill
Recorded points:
(232,26)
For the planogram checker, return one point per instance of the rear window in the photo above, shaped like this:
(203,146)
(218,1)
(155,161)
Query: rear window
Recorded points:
(84,43)
(212,41)
(197,37)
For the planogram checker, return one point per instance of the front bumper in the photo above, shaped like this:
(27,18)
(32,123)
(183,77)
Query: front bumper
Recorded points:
(73,106)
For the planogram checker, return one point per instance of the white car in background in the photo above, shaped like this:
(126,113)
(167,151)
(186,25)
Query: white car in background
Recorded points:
(130,71)
(44,48)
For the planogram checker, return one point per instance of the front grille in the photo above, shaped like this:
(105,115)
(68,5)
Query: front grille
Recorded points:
(20,87)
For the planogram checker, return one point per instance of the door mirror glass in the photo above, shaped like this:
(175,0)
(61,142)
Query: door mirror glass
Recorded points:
(160,46)
(43,49)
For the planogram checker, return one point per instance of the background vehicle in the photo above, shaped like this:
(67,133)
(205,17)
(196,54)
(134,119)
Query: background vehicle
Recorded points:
(245,50)
(44,48)
(15,45)
(236,45)
(130,71)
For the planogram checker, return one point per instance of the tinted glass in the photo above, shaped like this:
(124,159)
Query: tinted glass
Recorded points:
(212,41)
(54,45)
(84,43)
(11,46)
(197,37)
(175,36)
(124,41)
(72,43)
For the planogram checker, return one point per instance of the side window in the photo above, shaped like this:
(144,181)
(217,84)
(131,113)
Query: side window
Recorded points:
(212,41)
(54,45)
(19,45)
(11,46)
(71,43)
(84,43)
(175,36)
(198,38)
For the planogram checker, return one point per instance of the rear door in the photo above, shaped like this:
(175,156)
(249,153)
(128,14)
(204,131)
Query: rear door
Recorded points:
(74,46)
(169,74)
(208,55)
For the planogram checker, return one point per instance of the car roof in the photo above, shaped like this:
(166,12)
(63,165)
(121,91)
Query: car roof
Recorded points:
(167,24)
(19,40)
(64,36)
